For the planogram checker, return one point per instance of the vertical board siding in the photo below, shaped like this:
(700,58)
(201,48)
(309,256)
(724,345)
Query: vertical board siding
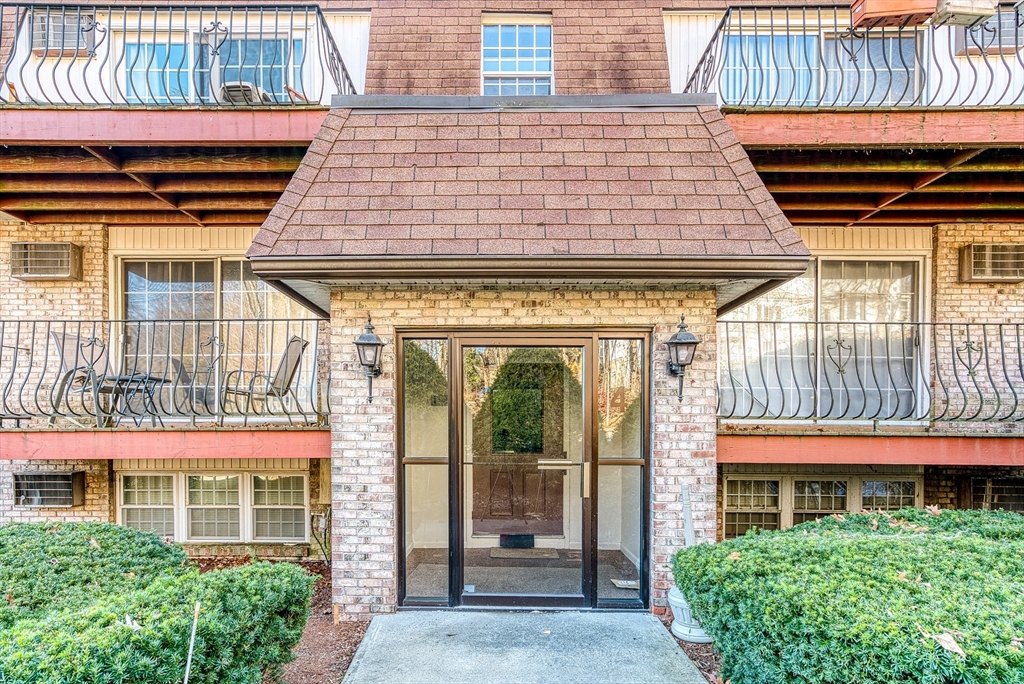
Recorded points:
(865,238)
(351,31)
(181,238)
(300,464)
(687,35)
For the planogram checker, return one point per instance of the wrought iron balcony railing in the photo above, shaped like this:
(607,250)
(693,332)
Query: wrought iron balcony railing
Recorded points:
(168,56)
(934,372)
(169,372)
(812,57)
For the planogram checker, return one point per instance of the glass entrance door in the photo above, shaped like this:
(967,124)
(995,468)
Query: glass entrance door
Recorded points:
(526,473)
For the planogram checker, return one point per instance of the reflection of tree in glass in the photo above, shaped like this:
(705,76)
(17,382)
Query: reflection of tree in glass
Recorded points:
(525,406)
(425,383)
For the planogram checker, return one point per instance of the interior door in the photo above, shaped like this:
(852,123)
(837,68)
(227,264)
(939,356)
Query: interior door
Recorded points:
(525,470)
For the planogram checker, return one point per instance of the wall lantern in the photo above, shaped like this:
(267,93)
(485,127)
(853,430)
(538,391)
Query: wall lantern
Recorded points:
(369,346)
(681,347)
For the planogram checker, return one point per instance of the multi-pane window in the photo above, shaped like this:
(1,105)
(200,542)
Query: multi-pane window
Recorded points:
(517,59)
(751,504)
(213,507)
(888,495)
(814,499)
(157,73)
(993,494)
(279,507)
(147,503)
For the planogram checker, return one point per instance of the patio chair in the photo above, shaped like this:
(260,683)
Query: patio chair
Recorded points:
(84,365)
(261,387)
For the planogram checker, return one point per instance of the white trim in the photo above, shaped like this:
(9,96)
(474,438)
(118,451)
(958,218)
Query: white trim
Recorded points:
(523,19)
(513,19)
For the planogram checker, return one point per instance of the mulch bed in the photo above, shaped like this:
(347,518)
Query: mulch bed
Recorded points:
(704,656)
(325,651)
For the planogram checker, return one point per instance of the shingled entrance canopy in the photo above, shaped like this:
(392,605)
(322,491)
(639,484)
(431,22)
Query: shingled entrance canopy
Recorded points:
(558,189)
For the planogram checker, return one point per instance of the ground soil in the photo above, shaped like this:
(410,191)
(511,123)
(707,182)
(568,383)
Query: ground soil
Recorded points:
(325,651)
(704,656)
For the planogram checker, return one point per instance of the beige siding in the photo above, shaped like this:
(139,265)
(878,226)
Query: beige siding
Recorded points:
(687,35)
(865,238)
(223,240)
(300,464)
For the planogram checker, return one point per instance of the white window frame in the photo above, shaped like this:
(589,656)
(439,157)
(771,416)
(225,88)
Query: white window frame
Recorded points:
(254,507)
(512,18)
(787,490)
(246,514)
(755,478)
(122,506)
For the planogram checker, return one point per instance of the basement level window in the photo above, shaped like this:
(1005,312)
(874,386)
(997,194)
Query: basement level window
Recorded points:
(994,494)
(517,57)
(750,504)
(49,490)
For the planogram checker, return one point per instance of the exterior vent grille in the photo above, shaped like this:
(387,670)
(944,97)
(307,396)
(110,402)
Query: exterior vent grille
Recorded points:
(57,31)
(992,263)
(46,261)
(49,490)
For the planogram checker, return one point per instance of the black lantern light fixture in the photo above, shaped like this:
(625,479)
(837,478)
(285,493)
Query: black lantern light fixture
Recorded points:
(369,347)
(681,347)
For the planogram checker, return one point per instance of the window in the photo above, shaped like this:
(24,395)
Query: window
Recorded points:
(49,490)
(216,506)
(157,73)
(267,69)
(147,503)
(213,507)
(279,507)
(888,495)
(814,499)
(751,504)
(761,70)
(517,58)
(1002,33)
(998,494)
(865,69)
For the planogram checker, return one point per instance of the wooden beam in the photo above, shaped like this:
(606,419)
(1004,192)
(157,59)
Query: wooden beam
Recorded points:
(230,202)
(284,126)
(933,202)
(151,161)
(224,183)
(904,217)
(883,127)
(77,203)
(156,218)
(41,183)
(826,165)
(785,186)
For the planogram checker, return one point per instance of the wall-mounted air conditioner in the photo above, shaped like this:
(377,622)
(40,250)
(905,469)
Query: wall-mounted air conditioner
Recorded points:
(49,489)
(964,12)
(992,263)
(46,261)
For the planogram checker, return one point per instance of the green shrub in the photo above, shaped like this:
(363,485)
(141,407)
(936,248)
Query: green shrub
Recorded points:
(869,598)
(117,607)
(65,565)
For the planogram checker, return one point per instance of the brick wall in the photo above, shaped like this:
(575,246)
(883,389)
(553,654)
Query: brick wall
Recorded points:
(433,46)
(949,487)
(363,434)
(98,492)
(51,299)
(955,302)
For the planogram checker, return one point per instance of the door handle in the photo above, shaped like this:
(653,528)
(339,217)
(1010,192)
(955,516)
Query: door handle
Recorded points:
(554,464)
(585,481)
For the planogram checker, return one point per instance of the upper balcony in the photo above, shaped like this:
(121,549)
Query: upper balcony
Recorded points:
(144,56)
(773,58)
(167,373)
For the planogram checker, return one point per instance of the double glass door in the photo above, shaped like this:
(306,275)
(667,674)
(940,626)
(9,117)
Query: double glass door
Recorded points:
(542,503)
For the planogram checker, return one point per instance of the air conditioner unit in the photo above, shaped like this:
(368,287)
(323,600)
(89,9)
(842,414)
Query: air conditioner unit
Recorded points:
(49,489)
(60,31)
(992,263)
(963,12)
(244,93)
(46,261)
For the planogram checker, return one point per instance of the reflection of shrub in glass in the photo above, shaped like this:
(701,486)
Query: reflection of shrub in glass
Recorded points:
(425,393)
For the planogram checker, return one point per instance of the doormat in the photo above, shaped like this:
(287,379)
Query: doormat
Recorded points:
(524,553)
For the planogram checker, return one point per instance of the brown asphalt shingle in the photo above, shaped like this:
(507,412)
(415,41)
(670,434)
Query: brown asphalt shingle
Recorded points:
(631,182)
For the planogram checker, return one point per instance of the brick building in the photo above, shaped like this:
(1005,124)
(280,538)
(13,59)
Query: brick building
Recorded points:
(522,199)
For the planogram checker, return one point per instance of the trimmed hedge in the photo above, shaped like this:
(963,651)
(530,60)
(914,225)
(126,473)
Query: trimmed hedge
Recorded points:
(914,597)
(134,628)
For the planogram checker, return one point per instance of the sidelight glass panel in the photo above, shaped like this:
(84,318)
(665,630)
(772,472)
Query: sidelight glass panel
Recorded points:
(620,408)
(426,531)
(619,532)
(425,398)
(523,470)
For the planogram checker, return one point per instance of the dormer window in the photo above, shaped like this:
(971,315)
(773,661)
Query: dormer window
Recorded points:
(517,55)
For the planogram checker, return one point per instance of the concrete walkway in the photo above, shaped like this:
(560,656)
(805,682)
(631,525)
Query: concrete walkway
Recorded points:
(423,647)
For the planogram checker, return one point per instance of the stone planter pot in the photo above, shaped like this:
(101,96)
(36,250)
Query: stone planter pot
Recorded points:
(684,626)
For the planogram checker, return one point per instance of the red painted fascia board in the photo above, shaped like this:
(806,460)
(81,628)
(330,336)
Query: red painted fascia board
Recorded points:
(959,450)
(153,444)
(882,128)
(171,127)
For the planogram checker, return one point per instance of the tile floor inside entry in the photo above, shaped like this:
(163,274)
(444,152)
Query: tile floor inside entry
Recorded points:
(452,647)
(555,572)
